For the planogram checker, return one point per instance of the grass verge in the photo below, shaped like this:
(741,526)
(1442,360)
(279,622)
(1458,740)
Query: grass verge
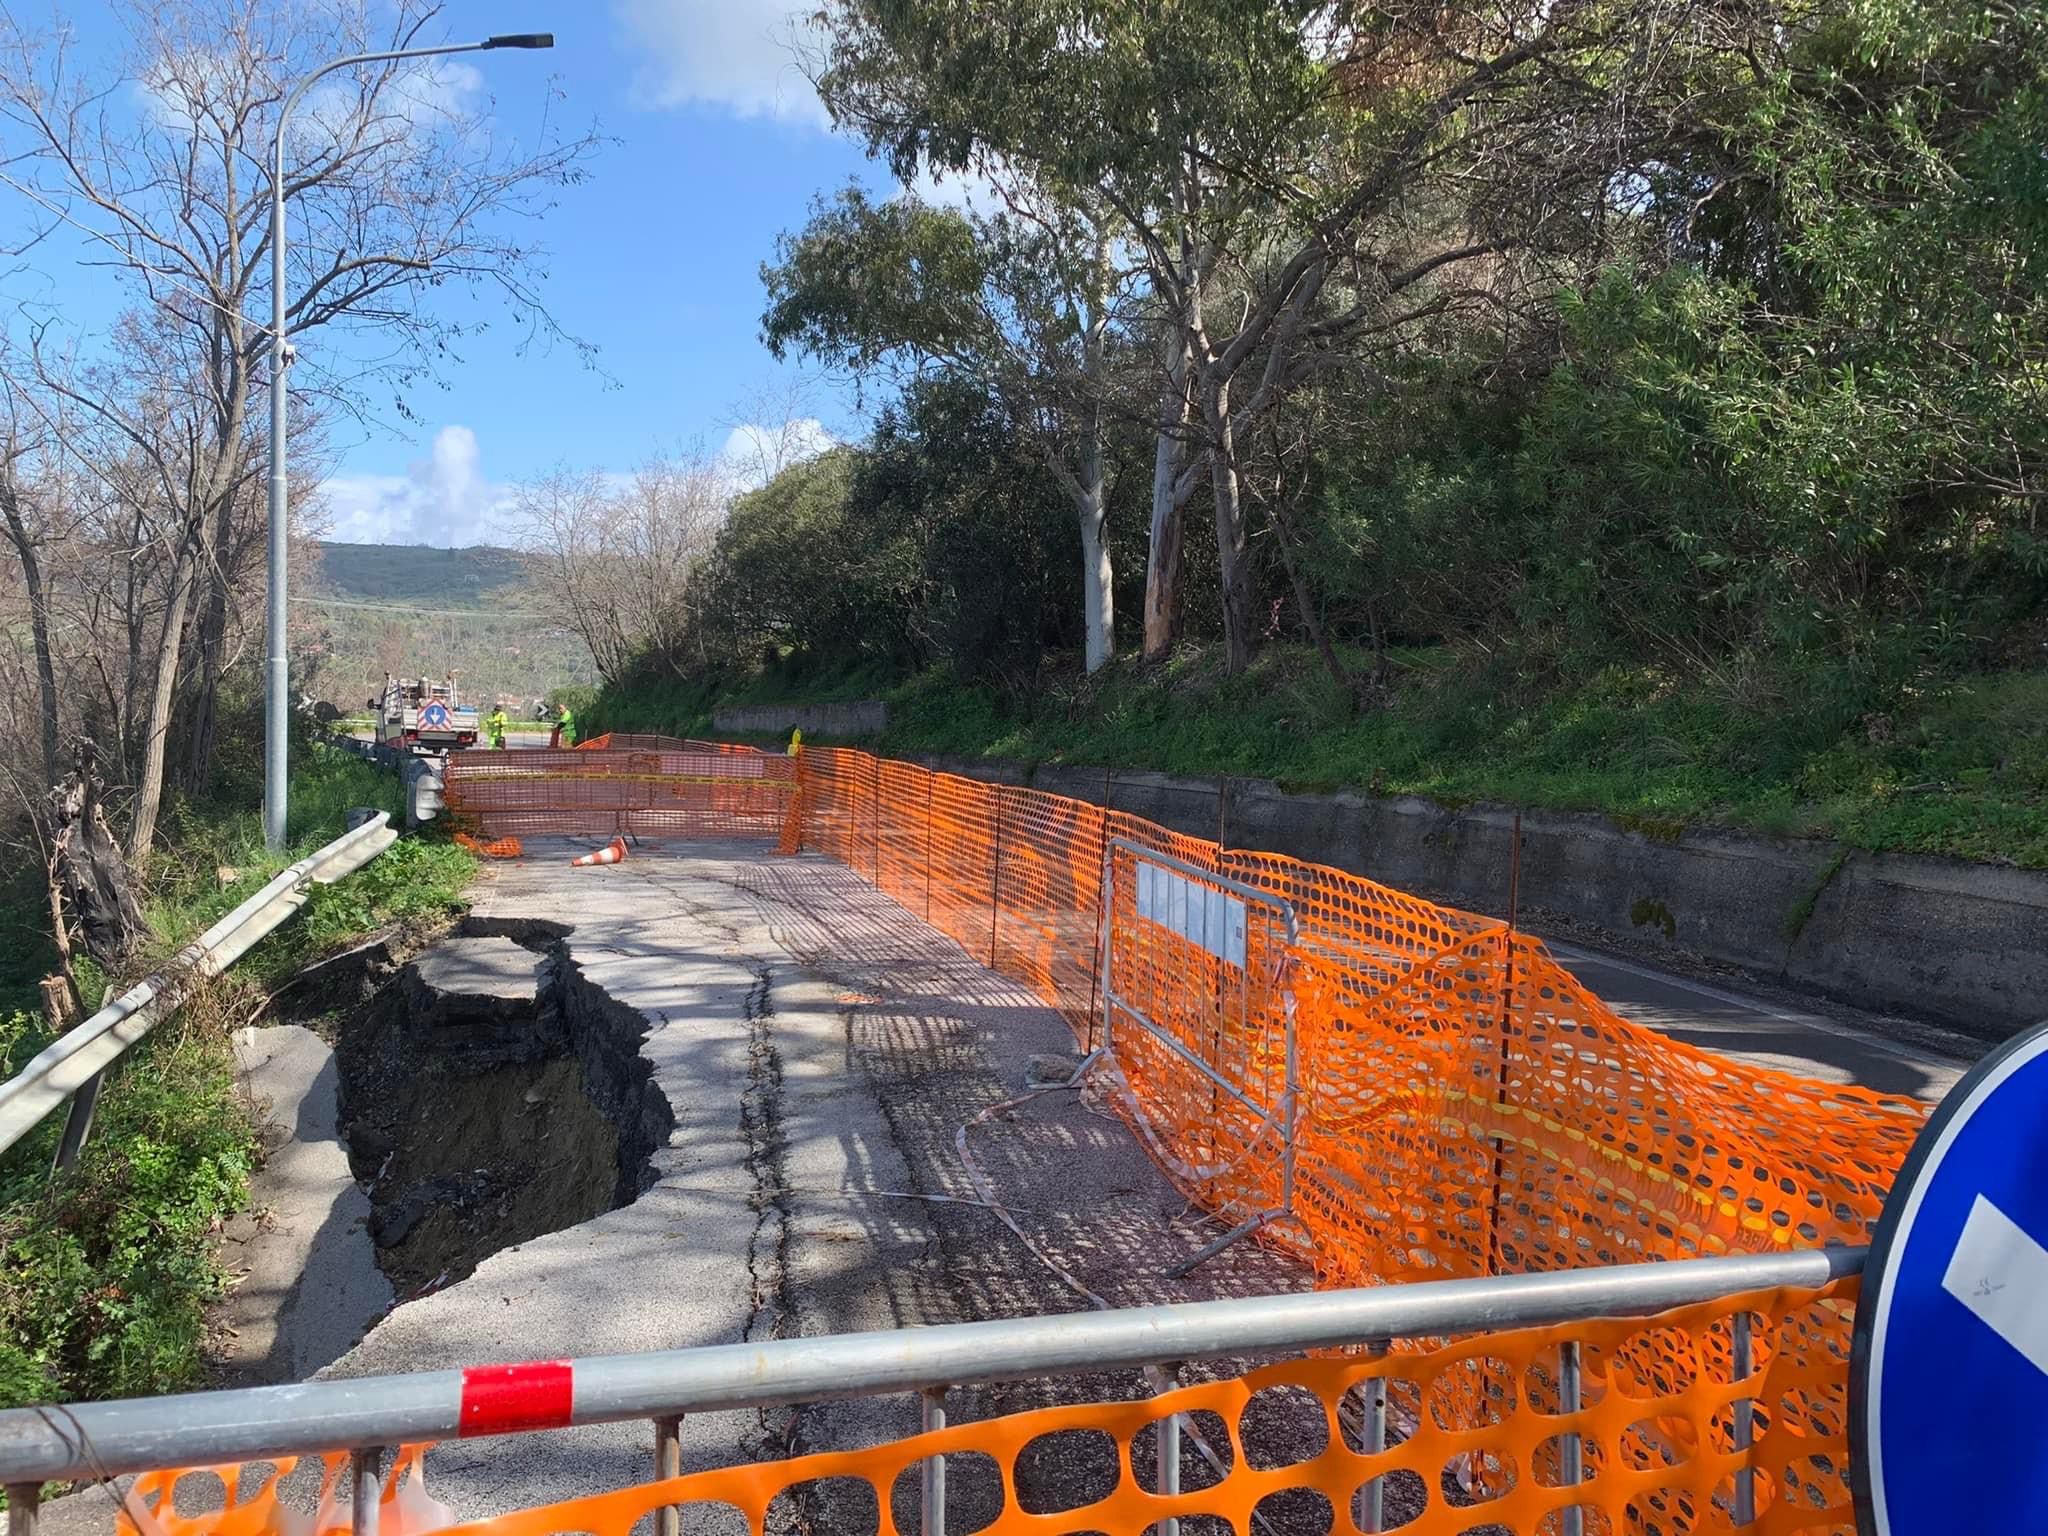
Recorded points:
(1958,767)
(106,1271)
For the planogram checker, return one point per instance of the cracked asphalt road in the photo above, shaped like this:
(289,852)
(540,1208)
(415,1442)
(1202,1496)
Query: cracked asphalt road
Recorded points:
(820,1049)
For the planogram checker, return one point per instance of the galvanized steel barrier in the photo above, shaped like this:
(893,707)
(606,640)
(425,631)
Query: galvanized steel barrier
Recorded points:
(656,787)
(1570,1438)
(69,1068)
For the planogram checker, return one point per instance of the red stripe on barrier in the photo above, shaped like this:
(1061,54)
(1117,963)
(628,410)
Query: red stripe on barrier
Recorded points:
(499,1399)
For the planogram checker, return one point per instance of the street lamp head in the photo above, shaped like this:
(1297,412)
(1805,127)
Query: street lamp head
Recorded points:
(521,40)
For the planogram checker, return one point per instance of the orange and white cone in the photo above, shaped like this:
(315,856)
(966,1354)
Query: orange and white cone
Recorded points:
(610,853)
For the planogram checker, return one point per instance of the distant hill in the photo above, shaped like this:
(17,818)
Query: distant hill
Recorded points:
(419,573)
(373,609)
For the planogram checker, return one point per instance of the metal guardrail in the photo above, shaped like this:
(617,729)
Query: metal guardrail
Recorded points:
(370,751)
(367,1414)
(69,1068)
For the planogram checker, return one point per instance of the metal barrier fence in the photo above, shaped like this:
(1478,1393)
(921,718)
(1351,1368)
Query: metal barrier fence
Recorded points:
(1744,1430)
(70,1067)
(679,789)
(1200,1003)
(1465,1107)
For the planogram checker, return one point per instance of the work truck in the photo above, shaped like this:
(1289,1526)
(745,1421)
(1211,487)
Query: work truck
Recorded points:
(424,714)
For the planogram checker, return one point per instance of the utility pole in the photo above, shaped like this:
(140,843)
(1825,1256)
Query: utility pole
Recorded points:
(276,678)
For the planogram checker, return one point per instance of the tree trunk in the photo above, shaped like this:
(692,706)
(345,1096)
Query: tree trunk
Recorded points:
(1283,539)
(150,787)
(97,885)
(203,720)
(39,626)
(1233,563)
(134,616)
(1098,599)
(1098,610)
(1163,543)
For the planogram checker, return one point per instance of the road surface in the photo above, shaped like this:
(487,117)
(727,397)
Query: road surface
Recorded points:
(820,1053)
(1750,1023)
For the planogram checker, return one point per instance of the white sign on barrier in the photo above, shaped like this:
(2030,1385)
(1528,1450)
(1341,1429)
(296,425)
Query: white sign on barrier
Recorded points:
(1198,913)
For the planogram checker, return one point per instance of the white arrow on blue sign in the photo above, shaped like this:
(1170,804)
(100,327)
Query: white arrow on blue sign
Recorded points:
(1949,1372)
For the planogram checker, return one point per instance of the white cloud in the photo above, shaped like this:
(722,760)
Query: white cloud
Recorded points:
(428,96)
(444,499)
(737,54)
(752,453)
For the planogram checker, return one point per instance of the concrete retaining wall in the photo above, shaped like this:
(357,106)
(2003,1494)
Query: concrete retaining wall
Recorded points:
(860,717)
(1963,943)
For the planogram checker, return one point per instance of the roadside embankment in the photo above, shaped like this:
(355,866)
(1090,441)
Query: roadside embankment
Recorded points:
(855,717)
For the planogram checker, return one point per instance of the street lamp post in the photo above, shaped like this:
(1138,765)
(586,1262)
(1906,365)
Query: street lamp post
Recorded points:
(276,682)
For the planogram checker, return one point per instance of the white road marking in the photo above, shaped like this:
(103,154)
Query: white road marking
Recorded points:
(1576,957)
(2001,1274)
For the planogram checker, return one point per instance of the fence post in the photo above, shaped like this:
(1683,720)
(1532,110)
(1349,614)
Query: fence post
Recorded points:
(877,781)
(929,776)
(1494,1254)
(1168,1464)
(1372,1498)
(77,1123)
(365,1488)
(995,879)
(668,1462)
(24,1500)
(1745,1424)
(1106,927)
(931,1517)
(1571,1450)
(1095,972)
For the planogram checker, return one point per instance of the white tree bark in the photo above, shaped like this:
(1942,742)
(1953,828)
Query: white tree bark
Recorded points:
(1098,601)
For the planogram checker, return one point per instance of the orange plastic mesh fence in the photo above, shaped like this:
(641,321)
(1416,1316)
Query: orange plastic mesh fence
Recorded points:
(629,741)
(1475,1443)
(660,791)
(499,848)
(1466,1106)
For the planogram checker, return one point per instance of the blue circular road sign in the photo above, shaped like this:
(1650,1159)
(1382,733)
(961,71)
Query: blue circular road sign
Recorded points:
(1948,1376)
(434,715)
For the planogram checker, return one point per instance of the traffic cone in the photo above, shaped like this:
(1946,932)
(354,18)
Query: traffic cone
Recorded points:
(610,853)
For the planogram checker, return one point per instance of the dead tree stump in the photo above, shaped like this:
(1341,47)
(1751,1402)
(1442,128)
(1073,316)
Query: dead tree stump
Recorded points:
(92,877)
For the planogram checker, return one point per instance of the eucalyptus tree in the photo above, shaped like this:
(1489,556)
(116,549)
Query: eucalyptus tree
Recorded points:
(1303,178)
(1023,302)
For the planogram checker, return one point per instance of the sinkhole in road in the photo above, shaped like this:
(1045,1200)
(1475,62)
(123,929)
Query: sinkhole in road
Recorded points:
(491,1094)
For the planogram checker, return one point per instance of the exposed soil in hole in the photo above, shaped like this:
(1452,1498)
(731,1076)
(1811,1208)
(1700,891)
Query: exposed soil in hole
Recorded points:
(489,1094)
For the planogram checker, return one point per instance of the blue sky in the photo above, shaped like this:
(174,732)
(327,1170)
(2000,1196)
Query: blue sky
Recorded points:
(720,145)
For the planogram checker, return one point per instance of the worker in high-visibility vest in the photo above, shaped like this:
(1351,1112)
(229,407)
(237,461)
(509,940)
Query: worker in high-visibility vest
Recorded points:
(494,725)
(568,726)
